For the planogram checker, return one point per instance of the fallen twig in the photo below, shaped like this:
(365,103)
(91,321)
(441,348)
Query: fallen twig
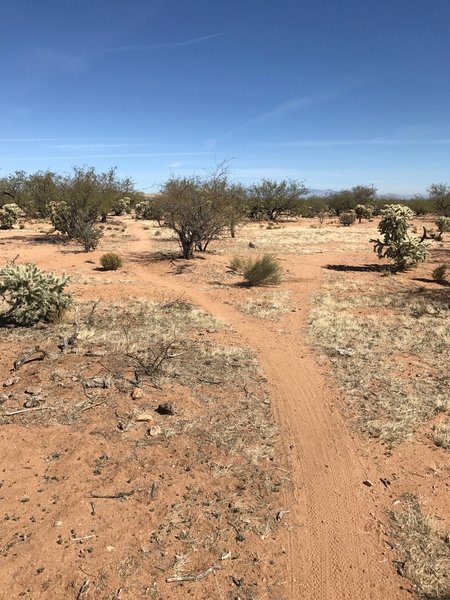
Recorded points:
(27,410)
(118,496)
(26,357)
(90,406)
(194,577)
(84,590)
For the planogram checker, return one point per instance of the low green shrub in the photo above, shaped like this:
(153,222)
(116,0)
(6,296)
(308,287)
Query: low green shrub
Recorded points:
(111,261)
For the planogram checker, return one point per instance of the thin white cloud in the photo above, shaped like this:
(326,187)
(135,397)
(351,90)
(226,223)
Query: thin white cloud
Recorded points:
(363,142)
(290,106)
(281,110)
(119,155)
(163,45)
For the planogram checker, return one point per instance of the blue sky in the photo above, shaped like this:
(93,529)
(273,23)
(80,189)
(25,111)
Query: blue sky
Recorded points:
(334,93)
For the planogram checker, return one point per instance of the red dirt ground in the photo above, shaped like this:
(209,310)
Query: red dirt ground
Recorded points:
(331,543)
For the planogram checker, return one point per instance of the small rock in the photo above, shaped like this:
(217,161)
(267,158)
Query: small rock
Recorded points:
(144,417)
(251,245)
(137,393)
(11,381)
(32,402)
(33,391)
(367,482)
(3,398)
(98,382)
(110,548)
(167,408)
(155,430)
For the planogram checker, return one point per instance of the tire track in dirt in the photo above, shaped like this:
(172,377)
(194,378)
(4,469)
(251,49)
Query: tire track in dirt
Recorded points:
(333,548)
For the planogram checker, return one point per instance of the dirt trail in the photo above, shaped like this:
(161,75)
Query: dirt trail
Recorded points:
(333,544)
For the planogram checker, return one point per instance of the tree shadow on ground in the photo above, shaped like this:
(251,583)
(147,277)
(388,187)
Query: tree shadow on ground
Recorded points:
(37,239)
(375,268)
(147,258)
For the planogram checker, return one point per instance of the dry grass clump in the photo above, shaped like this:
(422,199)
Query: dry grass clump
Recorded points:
(424,551)
(390,352)
(265,270)
(441,435)
(266,306)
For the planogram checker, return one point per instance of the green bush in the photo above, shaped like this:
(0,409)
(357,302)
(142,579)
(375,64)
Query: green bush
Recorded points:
(347,218)
(265,270)
(439,273)
(33,294)
(111,261)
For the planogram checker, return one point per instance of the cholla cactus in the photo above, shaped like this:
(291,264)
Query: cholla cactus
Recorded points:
(9,213)
(60,216)
(363,211)
(443,225)
(121,207)
(33,294)
(405,251)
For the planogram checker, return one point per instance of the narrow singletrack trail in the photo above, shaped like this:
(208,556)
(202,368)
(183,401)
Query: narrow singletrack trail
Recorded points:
(333,543)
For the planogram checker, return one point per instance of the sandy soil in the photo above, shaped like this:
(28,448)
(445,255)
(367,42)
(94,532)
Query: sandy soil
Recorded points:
(331,543)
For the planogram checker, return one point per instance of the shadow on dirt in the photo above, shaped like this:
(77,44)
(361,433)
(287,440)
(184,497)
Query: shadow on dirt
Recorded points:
(374,268)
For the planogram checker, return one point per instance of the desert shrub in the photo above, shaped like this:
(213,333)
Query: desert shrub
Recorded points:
(347,218)
(76,223)
(9,213)
(439,273)
(265,270)
(111,261)
(322,215)
(33,294)
(86,233)
(397,245)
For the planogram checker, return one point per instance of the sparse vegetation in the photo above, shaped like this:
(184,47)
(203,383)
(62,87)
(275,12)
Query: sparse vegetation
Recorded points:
(33,294)
(111,261)
(424,552)
(352,325)
(266,306)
